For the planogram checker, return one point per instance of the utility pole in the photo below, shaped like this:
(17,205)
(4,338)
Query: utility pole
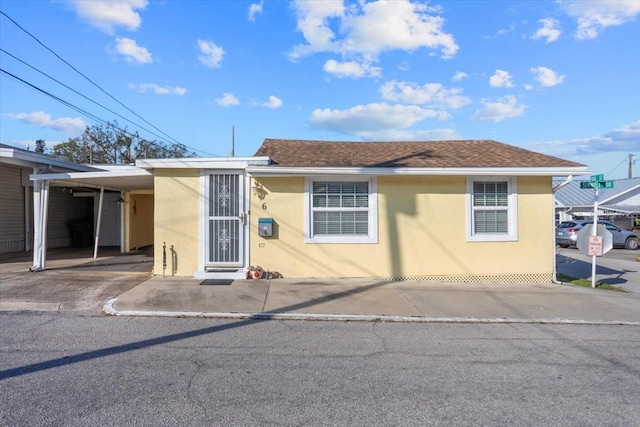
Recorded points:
(233,141)
(630,170)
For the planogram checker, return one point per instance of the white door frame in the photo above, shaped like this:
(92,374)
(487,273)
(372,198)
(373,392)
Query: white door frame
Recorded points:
(230,270)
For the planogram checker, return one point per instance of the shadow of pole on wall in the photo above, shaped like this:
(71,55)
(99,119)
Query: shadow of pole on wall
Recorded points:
(174,261)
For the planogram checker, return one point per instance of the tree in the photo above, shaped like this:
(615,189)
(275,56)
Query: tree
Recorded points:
(40,146)
(109,144)
(72,151)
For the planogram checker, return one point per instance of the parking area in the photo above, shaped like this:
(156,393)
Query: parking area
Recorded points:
(73,281)
(618,254)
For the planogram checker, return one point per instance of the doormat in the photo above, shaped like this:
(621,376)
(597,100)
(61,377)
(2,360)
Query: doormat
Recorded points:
(217,282)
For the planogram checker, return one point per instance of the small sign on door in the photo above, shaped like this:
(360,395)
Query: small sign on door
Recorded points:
(595,245)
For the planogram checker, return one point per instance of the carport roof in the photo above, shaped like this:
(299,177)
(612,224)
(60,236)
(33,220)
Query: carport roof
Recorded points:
(119,178)
(25,158)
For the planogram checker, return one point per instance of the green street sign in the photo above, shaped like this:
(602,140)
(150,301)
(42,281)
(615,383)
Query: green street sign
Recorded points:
(596,178)
(599,184)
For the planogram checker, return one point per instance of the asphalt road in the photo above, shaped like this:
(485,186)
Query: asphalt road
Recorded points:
(76,370)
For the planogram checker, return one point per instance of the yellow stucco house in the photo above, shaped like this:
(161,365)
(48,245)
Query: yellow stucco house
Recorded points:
(447,210)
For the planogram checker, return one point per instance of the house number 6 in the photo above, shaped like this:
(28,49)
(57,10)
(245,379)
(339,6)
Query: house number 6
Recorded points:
(264,206)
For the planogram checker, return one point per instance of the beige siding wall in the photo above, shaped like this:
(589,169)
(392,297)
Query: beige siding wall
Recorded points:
(12,220)
(177,205)
(62,208)
(422,232)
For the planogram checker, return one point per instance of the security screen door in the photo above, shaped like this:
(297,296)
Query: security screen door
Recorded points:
(226,220)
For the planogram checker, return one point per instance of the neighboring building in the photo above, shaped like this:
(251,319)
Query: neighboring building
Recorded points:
(443,210)
(619,205)
(16,200)
(73,207)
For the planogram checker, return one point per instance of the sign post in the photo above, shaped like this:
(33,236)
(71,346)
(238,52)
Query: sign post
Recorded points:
(595,242)
(594,230)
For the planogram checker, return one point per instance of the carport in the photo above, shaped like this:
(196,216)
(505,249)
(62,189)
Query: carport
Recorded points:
(127,180)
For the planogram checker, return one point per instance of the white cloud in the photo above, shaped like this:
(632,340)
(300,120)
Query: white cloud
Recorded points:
(157,89)
(594,16)
(255,9)
(44,120)
(313,22)
(548,31)
(501,78)
(227,99)
(546,76)
(505,108)
(132,52)
(459,76)
(396,25)
(273,103)
(365,29)
(502,31)
(624,139)
(210,54)
(371,118)
(431,94)
(109,14)
(350,69)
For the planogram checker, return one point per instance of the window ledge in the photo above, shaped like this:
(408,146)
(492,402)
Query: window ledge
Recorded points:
(492,238)
(343,240)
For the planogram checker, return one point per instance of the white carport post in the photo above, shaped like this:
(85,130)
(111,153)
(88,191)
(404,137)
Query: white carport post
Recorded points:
(122,221)
(40,213)
(95,247)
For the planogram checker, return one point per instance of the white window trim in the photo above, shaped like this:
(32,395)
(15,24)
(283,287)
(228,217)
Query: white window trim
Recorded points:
(373,211)
(512,211)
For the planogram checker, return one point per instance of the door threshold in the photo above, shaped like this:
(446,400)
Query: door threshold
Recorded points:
(232,274)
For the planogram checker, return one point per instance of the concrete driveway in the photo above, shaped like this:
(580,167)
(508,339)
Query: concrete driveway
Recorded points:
(73,281)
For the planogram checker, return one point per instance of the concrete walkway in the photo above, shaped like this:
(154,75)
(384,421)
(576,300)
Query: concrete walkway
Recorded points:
(122,285)
(371,300)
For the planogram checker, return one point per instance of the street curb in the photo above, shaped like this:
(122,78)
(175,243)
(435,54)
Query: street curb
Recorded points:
(111,311)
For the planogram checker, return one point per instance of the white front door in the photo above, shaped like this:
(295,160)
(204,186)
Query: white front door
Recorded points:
(225,225)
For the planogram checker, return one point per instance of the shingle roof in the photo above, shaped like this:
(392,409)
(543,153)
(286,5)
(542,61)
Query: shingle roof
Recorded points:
(419,154)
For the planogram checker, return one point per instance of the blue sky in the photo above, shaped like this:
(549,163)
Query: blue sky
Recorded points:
(559,77)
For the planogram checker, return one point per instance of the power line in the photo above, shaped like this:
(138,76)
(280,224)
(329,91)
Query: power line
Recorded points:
(84,112)
(616,167)
(57,98)
(78,93)
(87,78)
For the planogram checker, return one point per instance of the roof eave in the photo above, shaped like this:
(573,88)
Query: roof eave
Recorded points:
(28,159)
(627,191)
(203,163)
(125,180)
(266,171)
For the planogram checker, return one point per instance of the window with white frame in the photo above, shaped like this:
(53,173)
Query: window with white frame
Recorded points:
(491,209)
(341,211)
